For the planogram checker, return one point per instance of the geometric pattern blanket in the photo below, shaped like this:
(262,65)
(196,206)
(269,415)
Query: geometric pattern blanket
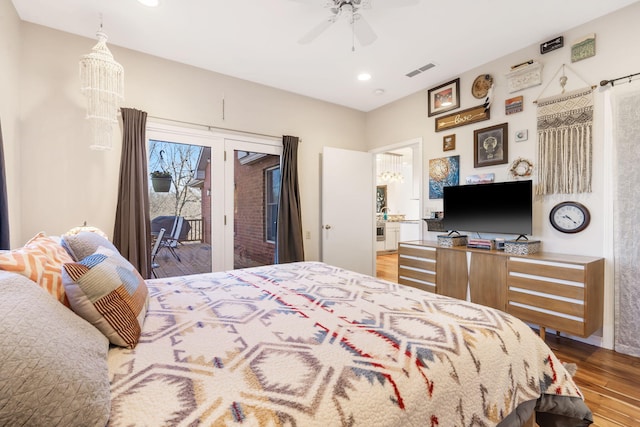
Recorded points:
(308,344)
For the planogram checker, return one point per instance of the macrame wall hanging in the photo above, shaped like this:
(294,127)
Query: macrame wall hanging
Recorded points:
(565,141)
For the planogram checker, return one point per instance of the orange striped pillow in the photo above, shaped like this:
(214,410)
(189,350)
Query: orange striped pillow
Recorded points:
(41,261)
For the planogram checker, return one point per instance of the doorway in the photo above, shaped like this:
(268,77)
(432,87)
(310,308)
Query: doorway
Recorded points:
(399,169)
(256,190)
(224,193)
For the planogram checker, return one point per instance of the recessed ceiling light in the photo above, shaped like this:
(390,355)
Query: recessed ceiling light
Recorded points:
(378,91)
(363,77)
(150,3)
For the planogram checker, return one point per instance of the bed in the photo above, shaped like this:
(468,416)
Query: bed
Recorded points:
(309,344)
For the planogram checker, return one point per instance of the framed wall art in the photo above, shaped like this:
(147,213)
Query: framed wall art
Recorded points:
(513,105)
(491,145)
(449,142)
(464,117)
(484,178)
(444,98)
(381,198)
(583,48)
(443,172)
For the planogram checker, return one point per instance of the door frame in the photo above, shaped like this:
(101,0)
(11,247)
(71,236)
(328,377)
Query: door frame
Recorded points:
(409,143)
(219,142)
(231,144)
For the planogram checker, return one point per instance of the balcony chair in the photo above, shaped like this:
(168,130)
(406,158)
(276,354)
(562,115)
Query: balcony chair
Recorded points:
(154,251)
(171,241)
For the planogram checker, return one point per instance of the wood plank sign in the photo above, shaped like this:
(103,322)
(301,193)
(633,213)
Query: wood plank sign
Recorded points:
(464,117)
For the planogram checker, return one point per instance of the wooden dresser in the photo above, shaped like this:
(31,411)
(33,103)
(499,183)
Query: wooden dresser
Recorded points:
(561,292)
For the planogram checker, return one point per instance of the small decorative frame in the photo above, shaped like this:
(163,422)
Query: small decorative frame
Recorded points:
(491,145)
(484,178)
(513,105)
(522,135)
(464,117)
(445,97)
(583,48)
(449,142)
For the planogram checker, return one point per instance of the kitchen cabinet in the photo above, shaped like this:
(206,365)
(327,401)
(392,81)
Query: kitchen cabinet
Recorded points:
(409,230)
(392,236)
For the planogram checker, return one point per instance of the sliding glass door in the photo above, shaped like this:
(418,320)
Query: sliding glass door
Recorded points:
(218,208)
(254,171)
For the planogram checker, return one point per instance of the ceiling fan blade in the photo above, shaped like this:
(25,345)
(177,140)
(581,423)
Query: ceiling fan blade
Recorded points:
(317,30)
(363,30)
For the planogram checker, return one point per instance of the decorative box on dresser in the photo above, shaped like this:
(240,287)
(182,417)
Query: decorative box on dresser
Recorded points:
(561,292)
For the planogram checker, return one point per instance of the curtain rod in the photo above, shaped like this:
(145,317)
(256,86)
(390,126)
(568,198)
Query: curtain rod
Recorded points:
(606,82)
(210,127)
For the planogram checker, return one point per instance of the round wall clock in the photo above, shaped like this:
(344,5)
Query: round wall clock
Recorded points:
(569,217)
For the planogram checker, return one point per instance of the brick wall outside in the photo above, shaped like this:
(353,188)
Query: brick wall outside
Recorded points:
(249,215)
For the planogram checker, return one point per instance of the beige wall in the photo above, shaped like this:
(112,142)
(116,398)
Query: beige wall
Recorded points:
(10,45)
(616,40)
(82,185)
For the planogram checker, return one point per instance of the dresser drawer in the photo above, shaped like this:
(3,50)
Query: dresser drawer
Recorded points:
(417,266)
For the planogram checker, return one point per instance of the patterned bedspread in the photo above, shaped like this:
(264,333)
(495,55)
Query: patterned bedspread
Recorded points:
(308,344)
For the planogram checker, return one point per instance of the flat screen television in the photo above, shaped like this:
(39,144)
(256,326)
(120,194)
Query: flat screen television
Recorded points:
(501,208)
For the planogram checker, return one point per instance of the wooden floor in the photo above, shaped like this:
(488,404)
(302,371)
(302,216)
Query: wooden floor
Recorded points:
(194,258)
(609,381)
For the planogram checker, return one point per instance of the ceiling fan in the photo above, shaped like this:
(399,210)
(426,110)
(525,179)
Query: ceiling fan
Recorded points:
(350,10)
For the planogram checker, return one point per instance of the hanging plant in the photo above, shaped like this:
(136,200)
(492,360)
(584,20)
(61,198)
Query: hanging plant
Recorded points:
(161,181)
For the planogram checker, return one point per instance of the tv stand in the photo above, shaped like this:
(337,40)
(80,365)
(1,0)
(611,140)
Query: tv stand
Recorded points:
(522,236)
(555,291)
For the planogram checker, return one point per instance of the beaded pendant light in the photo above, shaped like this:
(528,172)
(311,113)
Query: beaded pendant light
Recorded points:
(102,83)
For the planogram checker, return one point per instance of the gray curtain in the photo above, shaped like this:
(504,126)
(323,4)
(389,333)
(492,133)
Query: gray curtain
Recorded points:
(289,246)
(4,206)
(132,231)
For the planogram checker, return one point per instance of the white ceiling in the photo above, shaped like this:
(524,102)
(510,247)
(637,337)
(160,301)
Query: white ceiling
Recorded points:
(257,40)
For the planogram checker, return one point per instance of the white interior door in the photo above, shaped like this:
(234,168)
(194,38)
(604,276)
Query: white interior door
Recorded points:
(348,210)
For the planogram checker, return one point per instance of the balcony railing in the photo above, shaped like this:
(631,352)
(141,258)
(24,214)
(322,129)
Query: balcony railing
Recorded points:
(196,232)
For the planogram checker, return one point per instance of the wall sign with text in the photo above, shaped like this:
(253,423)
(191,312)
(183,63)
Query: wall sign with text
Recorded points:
(464,117)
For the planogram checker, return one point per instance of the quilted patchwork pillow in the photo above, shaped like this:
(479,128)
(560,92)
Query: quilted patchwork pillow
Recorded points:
(84,243)
(53,365)
(40,260)
(108,292)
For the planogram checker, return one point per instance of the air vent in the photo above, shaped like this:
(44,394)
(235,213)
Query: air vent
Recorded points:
(420,70)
